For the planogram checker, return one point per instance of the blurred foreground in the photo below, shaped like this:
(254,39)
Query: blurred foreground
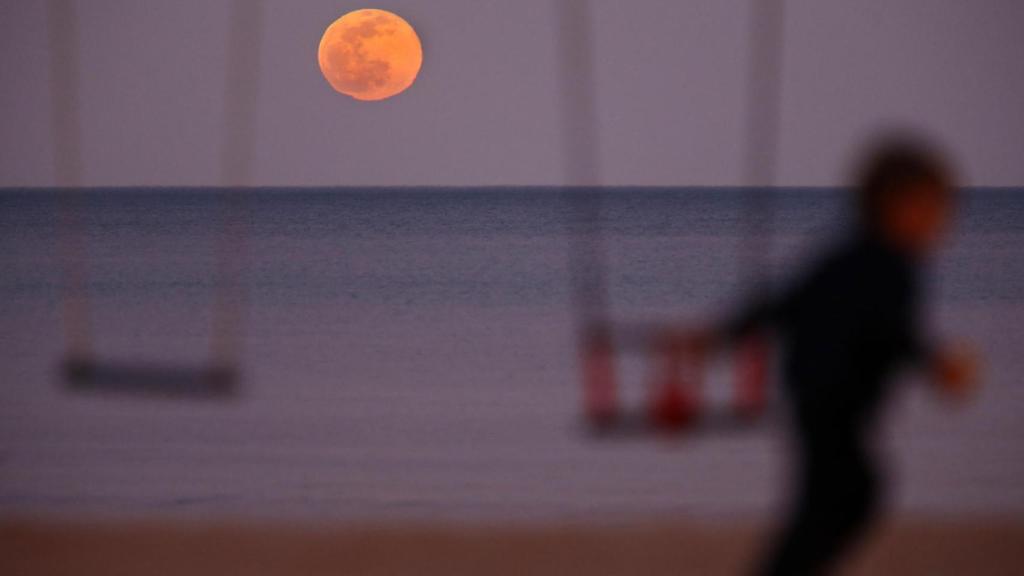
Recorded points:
(903,547)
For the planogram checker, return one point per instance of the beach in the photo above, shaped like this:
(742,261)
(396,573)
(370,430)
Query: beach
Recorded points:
(988,546)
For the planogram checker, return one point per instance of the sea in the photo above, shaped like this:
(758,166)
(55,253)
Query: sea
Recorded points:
(411,353)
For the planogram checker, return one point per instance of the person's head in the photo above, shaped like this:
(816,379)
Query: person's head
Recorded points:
(904,194)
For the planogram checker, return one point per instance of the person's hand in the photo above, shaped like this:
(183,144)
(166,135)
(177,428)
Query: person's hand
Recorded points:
(955,370)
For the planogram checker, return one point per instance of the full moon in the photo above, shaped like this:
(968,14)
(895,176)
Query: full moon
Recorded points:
(370,54)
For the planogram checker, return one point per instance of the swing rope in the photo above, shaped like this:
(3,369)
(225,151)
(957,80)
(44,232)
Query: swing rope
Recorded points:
(763,118)
(67,162)
(245,29)
(760,160)
(580,141)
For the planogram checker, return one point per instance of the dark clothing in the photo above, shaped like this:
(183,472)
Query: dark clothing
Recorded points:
(845,329)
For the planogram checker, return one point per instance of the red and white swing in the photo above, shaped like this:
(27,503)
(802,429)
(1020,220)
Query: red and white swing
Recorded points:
(676,400)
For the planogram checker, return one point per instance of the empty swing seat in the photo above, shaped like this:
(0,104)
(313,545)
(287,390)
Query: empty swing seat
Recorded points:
(151,379)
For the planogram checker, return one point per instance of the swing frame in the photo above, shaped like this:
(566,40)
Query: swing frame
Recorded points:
(675,402)
(81,369)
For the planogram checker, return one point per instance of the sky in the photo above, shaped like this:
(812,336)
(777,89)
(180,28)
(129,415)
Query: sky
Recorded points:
(669,92)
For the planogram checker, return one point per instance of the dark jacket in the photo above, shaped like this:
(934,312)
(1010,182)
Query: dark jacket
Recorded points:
(845,327)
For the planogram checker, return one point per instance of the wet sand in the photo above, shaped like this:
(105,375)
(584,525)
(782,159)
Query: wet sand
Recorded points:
(904,546)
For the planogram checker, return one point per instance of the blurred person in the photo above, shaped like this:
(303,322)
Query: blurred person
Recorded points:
(847,326)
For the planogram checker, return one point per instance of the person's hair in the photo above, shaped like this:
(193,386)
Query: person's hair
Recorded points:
(893,166)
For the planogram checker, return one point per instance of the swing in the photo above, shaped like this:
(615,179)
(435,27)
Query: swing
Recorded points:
(82,369)
(675,401)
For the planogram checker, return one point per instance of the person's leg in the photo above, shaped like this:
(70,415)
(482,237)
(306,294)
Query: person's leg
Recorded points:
(837,498)
(855,504)
(792,551)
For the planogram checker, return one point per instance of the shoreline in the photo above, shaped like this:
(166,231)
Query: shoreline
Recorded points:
(902,545)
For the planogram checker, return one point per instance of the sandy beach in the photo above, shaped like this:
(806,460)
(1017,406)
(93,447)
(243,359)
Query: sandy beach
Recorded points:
(904,546)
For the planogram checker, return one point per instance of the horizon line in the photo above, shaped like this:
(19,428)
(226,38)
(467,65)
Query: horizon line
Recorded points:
(507,187)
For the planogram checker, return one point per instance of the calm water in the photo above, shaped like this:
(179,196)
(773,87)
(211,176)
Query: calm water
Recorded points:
(409,354)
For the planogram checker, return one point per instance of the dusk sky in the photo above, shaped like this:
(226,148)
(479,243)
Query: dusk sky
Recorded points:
(485,109)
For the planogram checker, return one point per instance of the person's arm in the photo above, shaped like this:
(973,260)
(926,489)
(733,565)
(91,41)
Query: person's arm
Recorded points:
(953,369)
(768,310)
(764,311)
(760,313)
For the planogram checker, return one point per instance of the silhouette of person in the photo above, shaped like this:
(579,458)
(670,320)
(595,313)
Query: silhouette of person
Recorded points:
(847,326)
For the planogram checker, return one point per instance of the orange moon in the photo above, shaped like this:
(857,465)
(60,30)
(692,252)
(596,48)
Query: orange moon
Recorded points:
(370,54)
